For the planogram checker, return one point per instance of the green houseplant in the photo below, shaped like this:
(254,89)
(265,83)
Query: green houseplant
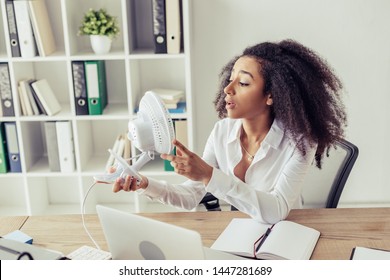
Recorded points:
(101,27)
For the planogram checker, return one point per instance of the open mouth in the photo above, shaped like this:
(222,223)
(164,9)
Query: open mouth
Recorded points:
(230,105)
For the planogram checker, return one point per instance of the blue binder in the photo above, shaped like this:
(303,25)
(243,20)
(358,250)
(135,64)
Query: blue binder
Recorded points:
(12,147)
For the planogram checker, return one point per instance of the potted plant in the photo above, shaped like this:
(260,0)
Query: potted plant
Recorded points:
(102,29)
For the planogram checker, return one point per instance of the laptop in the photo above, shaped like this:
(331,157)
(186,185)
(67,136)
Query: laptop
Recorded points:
(133,237)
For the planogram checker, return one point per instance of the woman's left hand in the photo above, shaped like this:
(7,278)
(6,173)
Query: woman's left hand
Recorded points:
(189,164)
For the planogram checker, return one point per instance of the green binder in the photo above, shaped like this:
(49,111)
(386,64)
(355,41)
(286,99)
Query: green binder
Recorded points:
(95,74)
(3,151)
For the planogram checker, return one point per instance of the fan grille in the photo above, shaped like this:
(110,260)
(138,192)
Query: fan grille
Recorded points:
(153,108)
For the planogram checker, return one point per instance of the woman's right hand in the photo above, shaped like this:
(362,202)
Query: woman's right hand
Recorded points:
(129,183)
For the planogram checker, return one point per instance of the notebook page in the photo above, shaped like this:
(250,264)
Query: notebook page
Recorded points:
(239,236)
(289,240)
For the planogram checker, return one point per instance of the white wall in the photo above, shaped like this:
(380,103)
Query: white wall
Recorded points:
(354,37)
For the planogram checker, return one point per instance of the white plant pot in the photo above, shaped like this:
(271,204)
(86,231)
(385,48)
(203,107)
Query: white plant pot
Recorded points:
(100,44)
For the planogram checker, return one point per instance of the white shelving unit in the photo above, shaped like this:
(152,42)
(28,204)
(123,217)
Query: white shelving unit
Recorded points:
(132,68)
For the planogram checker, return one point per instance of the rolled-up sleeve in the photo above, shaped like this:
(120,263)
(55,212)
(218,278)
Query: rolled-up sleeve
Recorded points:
(186,195)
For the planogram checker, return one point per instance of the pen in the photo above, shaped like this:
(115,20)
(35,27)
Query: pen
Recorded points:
(263,239)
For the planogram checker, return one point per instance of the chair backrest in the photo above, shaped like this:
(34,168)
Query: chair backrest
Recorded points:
(323,187)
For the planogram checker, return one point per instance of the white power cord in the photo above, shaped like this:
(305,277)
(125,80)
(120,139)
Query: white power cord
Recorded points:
(83,208)
(82,216)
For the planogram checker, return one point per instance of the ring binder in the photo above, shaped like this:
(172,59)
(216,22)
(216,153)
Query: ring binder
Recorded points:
(25,33)
(80,88)
(4,166)
(13,147)
(95,73)
(159,26)
(173,24)
(5,91)
(12,29)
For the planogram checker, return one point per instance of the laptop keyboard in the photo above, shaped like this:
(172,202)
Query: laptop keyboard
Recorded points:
(89,253)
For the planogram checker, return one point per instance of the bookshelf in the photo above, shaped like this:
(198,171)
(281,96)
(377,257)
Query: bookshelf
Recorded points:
(132,68)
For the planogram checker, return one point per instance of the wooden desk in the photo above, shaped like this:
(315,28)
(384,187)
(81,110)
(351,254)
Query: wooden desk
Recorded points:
(341,229)
(9,224)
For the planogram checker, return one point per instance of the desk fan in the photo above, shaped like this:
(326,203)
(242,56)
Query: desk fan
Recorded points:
(150,132)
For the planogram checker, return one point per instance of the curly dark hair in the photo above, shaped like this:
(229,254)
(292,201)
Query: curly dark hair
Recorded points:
(305,91)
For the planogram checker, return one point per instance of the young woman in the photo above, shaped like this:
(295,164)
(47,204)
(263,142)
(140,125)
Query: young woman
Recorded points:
(280,110)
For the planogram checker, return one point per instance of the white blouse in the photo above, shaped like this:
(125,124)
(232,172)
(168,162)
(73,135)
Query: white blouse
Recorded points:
(273,181)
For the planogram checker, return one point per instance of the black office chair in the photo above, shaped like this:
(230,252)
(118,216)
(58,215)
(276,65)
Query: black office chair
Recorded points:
(210,202)
(322,187)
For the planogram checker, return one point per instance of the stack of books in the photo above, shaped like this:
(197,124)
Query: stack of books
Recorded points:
(37,98)
(173,99)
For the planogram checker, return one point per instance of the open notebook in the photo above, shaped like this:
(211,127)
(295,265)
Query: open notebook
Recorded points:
(283,240)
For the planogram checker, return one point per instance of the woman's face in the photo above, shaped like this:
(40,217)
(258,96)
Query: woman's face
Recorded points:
(245,96)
